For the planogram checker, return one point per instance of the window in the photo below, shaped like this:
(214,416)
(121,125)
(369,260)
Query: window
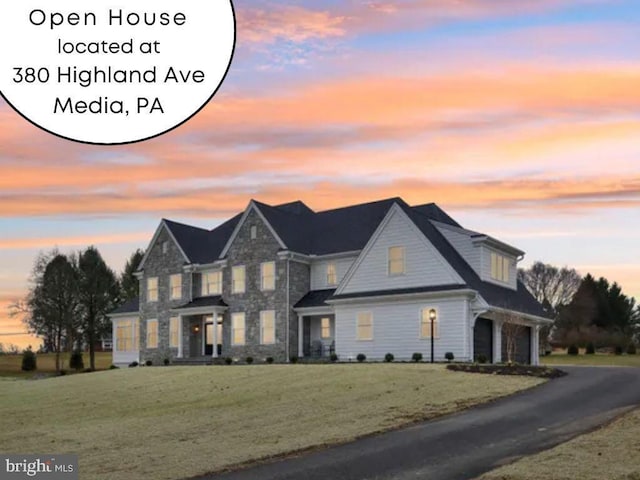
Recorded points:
(175,285)
(237,329)
(238,279)
(332,275)
(425,323)
(325,328)
(365,326)
(211,283)
(125,336)
(268,327)
(174,332)
(165,247)
(254,232)
(152,333)
(500,266)
(268,276)
(396,261)
(152,289)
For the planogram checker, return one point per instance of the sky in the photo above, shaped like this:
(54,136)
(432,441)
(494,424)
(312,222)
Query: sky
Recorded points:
(520,119)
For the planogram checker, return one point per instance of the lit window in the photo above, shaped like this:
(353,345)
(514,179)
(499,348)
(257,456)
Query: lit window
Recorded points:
(211,283)
(268,327)
(174,332)
(500,266)
(325,328)
(268,276)
(237,329)
(332,275)
(425,323)
(152,333)
(175,284)
(254,232)
(152,289)
(238,279)
(396,261)
(125,336)
(365,326)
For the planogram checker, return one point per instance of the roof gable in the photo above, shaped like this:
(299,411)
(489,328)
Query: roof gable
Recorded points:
(164,225)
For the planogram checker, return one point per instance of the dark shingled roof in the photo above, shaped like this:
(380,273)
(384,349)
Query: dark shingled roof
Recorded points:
(213,301)
(131,306)
(315,298)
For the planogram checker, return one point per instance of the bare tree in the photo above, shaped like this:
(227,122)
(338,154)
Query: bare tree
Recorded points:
(511,331)
(553,287)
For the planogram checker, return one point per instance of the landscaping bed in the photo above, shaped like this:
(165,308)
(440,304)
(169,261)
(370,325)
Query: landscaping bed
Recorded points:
(525,370)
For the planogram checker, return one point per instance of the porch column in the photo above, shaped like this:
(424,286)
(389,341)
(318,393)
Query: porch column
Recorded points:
(215,335)
(535,345)
(180,337)
(497,341)
(203,334)
(300,336)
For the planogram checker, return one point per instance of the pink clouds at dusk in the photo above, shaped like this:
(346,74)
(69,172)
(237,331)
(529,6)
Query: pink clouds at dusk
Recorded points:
(518,119)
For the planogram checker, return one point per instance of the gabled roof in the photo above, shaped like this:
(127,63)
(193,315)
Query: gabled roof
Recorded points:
(212,301)
(315,298)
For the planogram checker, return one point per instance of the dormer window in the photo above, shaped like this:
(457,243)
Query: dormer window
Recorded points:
(396,261)
(332,274)
(500,266)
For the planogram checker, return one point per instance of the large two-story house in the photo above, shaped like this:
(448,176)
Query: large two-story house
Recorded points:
(284,281)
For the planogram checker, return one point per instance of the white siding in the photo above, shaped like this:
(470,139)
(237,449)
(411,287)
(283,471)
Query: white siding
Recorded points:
(424,264)
(463,244)
(486,267)
(319,271)
(396,330)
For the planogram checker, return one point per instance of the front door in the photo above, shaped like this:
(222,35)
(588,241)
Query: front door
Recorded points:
(208,344)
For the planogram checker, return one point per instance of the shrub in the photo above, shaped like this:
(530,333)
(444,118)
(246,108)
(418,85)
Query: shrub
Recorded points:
(631,349)
(29,363)
(133,364)
(482,358)
(618,350)
(63,372)
(88,370)
(449,356)
(361,357)
(76,362)
(389,357)
(591,348)
(293,359)
(148,363)
(573,350)
(333,357)
(249,360)
(416,357)
(269,360)
(228,360)
(166,362)
(114,367)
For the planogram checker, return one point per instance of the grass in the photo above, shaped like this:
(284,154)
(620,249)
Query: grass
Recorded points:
(613,452)
(10,365)
(602,359)
(176,422)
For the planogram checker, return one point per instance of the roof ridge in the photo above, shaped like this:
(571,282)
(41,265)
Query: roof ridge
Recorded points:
(390,199)
(166,220)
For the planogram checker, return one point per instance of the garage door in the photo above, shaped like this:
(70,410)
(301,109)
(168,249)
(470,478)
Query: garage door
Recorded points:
(523,346)
(483,339)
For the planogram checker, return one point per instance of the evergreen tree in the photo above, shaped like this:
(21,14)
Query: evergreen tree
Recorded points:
(129,284)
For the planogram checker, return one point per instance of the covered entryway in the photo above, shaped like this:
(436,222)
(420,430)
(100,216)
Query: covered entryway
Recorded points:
(483,340)
(522,343)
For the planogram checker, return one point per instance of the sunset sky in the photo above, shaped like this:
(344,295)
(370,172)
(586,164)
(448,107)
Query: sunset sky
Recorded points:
(520,121)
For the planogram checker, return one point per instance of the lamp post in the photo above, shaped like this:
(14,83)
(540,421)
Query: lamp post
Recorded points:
(432,317)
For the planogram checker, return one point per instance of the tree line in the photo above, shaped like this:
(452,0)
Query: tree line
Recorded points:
(70,296)
(586,311)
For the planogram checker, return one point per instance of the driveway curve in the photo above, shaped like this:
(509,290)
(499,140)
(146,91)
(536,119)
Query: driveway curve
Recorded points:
(469,443)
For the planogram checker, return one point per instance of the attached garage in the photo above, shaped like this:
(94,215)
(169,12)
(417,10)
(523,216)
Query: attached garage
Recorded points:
(483,339)
(522,344)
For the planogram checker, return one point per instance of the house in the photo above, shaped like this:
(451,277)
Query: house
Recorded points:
(283,281)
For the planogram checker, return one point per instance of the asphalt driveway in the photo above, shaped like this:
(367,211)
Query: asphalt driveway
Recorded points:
(464,445)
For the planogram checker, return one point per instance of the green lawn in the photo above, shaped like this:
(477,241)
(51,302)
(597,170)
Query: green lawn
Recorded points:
(595,359)
(176,422)
(10,365)
(611,453)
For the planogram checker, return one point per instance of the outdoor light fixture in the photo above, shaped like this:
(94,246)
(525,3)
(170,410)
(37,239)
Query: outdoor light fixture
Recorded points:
(432,316)
(196,329)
